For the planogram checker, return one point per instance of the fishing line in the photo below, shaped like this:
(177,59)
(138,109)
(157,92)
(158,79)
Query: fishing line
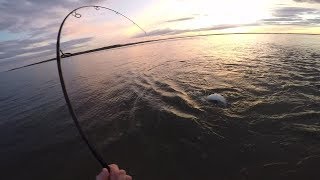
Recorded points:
(74,13)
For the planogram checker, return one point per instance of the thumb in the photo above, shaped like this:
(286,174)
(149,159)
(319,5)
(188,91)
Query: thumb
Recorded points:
(104,175)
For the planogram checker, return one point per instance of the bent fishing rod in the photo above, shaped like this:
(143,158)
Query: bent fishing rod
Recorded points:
(91,147)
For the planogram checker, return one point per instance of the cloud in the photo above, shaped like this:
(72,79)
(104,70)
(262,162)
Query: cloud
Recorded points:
(157,32)
(35,24)
(180,19)
(11,49)
(168,31)
(280,19)
(314,21)
(21,15)
(293,16)
(308,1)
(291,12)
(24,15)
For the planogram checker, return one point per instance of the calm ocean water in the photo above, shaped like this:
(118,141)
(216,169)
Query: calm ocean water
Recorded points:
(144,108)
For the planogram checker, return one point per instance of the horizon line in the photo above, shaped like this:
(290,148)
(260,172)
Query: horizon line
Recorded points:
(150,41)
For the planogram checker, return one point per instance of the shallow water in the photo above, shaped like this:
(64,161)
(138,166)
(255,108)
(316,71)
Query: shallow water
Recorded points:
(145,109)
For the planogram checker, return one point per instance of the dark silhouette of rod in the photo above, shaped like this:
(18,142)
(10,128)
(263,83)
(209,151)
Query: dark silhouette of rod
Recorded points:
(93,150)
(65,54)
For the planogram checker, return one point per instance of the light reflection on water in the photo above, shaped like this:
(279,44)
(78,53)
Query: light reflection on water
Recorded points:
(144,106)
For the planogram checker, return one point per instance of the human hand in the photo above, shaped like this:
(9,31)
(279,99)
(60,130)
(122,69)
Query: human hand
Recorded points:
(115,174)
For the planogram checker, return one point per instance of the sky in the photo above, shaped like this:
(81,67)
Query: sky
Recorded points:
(28,28)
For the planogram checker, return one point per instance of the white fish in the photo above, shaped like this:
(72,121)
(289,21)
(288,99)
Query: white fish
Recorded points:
(218,99)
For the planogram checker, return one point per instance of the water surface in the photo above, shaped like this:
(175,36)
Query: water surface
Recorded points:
(145,109)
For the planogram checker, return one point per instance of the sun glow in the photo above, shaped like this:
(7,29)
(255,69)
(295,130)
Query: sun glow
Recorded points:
(181,17)
(233,12)
(207,13)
